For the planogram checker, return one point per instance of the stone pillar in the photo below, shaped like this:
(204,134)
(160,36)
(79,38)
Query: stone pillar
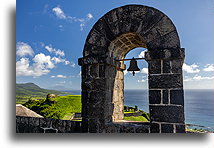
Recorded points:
(166,97)
(102,93)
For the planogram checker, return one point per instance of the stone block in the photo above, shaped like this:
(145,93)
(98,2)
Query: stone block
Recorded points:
(167,128)
(171,114)
(102,27)
(166,66)
(177,97)
(180,129)
(93,125)
(77,127)
(45,122)
(85,122)
(94,71)
(101,70)
(142,129)
(165,81)
(154,96)
(97,84)
(165,54)
(165,96)
(111,128)
(95,110)
(96,97)
(154,67)
(144,19)
(127,129)
(170,41)
(176,66)
(154,128)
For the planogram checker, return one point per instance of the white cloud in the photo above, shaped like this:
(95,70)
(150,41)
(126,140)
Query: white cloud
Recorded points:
(142,54)
(89,16)
(145,70)
(187,79)
(141,81)
(67,62)
(59,52)
(43,61)
(72,64)
(41,66)
(197,77)
(55,51)
(191,68)
(209,67)
(49,48)
(23,49)
(144,79)
(125,72)
(57,60)
(59,76)
(59,12)
(23,67)
(61,15)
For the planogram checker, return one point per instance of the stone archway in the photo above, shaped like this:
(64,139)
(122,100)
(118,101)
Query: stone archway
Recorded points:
(111,38)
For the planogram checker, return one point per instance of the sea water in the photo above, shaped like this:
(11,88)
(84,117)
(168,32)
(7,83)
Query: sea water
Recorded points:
(198,104)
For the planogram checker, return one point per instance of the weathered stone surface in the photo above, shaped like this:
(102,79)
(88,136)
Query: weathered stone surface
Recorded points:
(45,125)
(165,54)
(101,70)
(154,67)
(85,122)
(93,125)
(167,128)
(142,129)
(176,66)
(171,114)
(111,128)
(165,96)
(154,96)
(180,129)
(177,97)
(154,128)
(95,110)
(144,18)
(127,129)
(166,66)
(94,84)
(163,27)
(170,40)
(165,81)
(111,38)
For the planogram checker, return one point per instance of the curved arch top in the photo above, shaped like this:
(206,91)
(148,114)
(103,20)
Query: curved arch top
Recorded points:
(111,38)
(155,29)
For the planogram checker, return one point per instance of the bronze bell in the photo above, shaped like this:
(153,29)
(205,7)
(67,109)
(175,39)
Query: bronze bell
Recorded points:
(133,66)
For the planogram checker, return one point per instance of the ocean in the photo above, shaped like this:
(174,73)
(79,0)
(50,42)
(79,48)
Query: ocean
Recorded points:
(198,104)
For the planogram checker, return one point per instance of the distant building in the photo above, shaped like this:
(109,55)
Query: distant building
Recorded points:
(24,111)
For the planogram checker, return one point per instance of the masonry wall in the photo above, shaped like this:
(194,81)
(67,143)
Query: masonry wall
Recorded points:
(46,125)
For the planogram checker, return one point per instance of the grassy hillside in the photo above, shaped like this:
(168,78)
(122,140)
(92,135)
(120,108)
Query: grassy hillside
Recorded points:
(32,89)
(57,108)
(27,91)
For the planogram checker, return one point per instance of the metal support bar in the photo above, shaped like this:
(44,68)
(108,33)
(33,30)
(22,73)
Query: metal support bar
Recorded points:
(131,59)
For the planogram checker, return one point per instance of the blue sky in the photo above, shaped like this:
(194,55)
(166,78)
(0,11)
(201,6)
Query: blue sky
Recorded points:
(50,36)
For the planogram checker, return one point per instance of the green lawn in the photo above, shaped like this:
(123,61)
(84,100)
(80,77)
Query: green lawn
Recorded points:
(139,118)
(61,107)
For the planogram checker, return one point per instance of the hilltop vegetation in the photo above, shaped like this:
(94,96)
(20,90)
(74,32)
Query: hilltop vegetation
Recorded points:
(56,108)
(27,91)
